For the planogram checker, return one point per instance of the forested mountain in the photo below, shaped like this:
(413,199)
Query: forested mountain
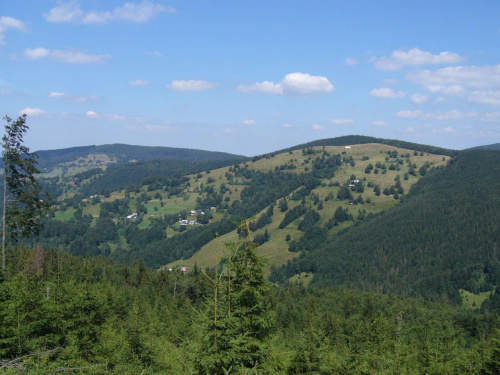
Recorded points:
(445,235)
(362,139)
(391,239)
(367,215)
(125,153)
(494,146)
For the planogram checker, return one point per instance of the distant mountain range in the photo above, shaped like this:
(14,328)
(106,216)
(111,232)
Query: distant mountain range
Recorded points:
(122,153)
(368,213)
(494,146)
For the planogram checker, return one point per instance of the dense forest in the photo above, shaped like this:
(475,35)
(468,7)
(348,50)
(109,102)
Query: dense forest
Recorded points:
(443,237)
(385,287)
(126,153)
(61,313)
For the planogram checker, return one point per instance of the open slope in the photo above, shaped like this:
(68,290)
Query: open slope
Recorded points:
(443,237)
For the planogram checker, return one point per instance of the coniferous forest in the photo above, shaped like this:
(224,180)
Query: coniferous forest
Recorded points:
(382,291)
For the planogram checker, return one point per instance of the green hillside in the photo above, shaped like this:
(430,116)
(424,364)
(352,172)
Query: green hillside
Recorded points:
(494,146)
(444,237)
(121,153)
(308,180)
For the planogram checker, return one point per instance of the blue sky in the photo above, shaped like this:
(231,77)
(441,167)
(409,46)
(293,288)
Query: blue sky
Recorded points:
(250,77)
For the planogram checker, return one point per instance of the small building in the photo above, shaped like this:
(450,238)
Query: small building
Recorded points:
(132,217)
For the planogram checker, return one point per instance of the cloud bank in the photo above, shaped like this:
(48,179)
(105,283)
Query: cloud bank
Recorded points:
(70,11)
(415,57)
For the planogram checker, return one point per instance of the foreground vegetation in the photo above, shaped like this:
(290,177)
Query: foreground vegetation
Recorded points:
(59,313)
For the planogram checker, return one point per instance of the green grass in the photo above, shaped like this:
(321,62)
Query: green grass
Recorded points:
(473,301)
(276,249)
(303,278)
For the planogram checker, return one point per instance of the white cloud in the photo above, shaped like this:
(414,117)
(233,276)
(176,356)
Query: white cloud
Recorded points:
(379,123)
(249,122)
(415,57)
(265,87)
(305,84)
(350,61)
(36,53)
(77,57)
(386,92)
(7,23)
(457,79)
(138,82)
(343,121)
(287,125)
(419,98)
(442,116)
(70,11)
(409,114)
(111,117)
(292,84)
(191,85)
(491,97)
(66,56)
(32,112)
(71,98)
(389,81)
(318,127)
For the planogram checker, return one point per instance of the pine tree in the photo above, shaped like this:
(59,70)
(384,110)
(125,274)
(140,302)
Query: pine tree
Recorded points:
(240,318)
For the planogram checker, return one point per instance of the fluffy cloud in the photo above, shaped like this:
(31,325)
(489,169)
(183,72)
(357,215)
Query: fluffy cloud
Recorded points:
(32,112)
(287,125)
(67,56)
(419,98)
(249,122)
(491,97)
(342,121)
(71,98)
(318,127)
(138,82)
(379,123)
(386,92)
(70,11)
(191,85)
(415,57)
(350,61)
(7,23)
(292,84)
(457,79)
